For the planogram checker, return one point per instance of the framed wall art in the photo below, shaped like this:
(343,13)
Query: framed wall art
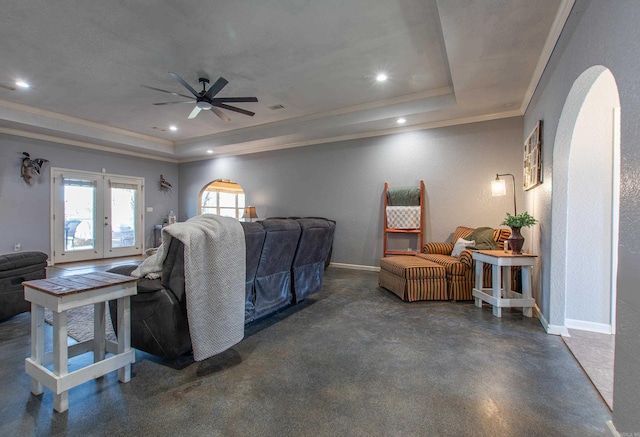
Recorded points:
(533,158)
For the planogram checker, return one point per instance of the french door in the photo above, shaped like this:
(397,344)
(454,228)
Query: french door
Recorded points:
(95,215)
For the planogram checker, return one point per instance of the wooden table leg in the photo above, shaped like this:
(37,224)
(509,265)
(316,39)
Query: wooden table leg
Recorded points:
(478,282)
(526,289)
(60,358)
(124,335)
(37,343)
(495,282)
(99,344)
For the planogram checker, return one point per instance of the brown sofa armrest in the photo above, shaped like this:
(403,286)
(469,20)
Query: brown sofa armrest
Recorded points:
(466,258)
(438,248)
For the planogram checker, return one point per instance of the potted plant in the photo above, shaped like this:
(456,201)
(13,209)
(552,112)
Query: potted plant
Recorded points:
(515,222)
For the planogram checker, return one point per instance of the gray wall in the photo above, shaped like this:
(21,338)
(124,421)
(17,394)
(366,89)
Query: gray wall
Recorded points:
(344,181)
(601,33)
(25,210)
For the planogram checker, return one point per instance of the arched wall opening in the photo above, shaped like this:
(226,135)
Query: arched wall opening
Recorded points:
(222,197)
(585,205)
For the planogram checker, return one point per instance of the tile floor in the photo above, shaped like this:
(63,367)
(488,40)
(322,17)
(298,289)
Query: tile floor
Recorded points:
(595,353)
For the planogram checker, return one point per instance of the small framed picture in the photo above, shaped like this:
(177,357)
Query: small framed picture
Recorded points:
(533,158)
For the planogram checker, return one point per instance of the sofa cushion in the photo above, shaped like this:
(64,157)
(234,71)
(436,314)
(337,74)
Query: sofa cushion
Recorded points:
(452,265)
(461,232)
(24,261)
(461,245)
(483,238)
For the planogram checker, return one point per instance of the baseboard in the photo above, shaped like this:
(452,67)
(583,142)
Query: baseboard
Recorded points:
(610,430)
(355,267)
(582,325)
(550,329)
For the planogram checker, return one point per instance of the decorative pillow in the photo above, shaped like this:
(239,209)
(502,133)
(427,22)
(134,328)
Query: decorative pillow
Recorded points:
(484,239)
(461,245)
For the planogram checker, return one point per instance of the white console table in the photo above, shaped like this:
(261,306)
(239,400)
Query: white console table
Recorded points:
(62,294)
(501,295)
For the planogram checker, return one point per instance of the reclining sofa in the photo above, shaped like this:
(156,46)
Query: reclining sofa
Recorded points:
(285,262)
(14,269)
(460,270)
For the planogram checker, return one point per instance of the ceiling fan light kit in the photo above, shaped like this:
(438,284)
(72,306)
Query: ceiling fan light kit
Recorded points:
(204,105)
(206,99)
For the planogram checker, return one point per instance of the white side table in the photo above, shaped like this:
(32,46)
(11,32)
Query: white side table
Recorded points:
(502,296)
(62,294)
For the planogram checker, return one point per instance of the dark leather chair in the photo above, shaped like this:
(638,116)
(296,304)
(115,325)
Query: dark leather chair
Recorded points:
(312,252)
(16,268)
(254,235)
(273,276)
(159,322)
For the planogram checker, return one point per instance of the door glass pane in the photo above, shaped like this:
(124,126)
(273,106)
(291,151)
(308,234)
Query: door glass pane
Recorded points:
(79,206)
(123,217)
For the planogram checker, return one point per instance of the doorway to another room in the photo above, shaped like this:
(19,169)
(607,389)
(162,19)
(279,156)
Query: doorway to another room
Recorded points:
(585,217)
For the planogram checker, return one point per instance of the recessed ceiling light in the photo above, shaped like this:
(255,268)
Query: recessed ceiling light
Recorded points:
(22,84)
(209,151)
(381,77)
(173,128)
(401,120)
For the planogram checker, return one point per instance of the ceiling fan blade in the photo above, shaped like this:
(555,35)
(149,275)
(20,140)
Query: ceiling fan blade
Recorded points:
(173,103)
(220,114)
(234,99)
(194,113)
(184,84)
(165,91)
(233,108)
(216,87)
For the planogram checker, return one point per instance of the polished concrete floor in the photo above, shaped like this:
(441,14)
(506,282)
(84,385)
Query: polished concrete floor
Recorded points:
(354,360)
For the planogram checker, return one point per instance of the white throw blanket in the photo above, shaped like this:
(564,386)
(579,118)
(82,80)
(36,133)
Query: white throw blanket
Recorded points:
(214,270)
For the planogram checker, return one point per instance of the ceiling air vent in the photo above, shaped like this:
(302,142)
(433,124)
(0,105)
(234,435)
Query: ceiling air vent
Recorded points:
(276,107)
(159,128)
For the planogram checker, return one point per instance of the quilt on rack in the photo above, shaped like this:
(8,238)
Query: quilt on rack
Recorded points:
(403,217)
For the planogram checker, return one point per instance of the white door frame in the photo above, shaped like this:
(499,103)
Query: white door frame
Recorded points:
(103,248)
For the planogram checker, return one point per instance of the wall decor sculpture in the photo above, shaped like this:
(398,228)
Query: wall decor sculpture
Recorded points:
(30,167)
(533,158)
(164,184)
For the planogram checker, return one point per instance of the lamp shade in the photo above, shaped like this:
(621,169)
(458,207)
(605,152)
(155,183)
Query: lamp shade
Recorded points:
(250,212)
(498,187)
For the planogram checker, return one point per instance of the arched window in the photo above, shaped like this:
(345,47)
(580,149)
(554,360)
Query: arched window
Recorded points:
(222,197)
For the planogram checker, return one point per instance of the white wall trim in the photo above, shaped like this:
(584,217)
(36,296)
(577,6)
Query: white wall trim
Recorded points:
(355,136)
(355,267)
(615,216)
(610,430)
(583,325)
(550,329)
(84,144)
(552,38)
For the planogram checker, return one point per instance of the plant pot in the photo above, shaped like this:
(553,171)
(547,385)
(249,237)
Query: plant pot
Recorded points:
(516,240)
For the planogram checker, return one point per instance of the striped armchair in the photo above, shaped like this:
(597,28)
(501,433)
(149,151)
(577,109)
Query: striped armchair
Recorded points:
(460,271)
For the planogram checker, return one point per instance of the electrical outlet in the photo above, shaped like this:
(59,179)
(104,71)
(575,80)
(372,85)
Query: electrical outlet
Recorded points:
(17,247)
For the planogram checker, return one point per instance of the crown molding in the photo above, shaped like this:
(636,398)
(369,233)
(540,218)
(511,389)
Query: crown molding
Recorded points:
(552,38)
(368,134)
(84,144)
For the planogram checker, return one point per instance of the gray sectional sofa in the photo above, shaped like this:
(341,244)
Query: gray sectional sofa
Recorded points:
(285,264)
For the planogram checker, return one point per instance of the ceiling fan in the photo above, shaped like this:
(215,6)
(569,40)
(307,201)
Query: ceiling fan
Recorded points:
(205,99)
